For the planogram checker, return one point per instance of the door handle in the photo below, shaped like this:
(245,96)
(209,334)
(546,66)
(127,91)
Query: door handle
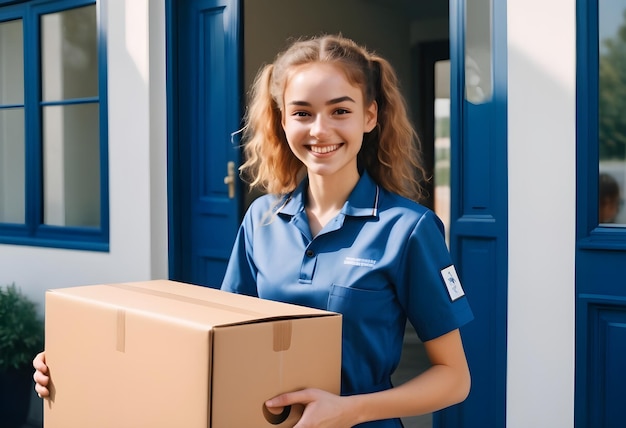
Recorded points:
(230,179)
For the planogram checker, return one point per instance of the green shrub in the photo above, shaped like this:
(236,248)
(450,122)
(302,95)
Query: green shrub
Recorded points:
(21,329)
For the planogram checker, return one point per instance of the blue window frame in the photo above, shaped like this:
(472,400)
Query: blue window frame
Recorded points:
(53,125)
(593,112)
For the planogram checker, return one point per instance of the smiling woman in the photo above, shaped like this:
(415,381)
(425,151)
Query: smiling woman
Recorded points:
(341,229)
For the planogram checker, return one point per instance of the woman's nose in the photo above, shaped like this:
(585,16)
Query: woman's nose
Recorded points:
(319,128)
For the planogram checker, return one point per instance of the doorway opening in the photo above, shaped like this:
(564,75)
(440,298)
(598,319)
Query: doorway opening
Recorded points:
(418,48)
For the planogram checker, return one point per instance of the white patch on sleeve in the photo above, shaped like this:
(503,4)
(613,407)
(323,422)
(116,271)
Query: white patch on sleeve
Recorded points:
(451,279)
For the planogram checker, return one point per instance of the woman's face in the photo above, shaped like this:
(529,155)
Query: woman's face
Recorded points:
(324,119)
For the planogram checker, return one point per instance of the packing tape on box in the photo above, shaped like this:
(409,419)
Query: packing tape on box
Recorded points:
(282,329)
(186,299)
(282,335)
(120,344)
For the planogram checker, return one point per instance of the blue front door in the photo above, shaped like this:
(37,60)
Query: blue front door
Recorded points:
(601,241)
(204,111)
(478,237)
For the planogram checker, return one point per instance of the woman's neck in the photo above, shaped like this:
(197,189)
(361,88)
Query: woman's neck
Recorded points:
(326,196)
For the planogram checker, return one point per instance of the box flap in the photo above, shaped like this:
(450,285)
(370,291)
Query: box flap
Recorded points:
(187,302)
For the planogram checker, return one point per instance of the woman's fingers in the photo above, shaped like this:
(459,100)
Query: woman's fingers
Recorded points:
(40,376)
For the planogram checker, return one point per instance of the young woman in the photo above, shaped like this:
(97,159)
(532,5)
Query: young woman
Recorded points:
(328,139)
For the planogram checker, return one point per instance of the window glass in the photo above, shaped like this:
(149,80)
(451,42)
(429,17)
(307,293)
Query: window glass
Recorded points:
(71,165)
(478,59)
(11,63)
(12,175)
(69,54)
(612,108)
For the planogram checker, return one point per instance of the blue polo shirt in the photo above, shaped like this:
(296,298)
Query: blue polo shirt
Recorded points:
(381,260)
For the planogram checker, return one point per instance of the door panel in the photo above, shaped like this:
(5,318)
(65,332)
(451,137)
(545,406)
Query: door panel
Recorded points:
(601,247)
(479,216)
(207,70)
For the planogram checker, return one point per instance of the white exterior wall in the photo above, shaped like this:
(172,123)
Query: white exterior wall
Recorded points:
(137,167)
(542,191)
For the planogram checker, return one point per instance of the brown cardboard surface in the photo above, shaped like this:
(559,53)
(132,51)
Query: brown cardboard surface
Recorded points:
(168,354)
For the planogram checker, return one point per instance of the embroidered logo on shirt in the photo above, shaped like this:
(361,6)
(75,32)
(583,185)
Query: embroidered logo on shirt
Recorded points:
(355,261)
(451,279)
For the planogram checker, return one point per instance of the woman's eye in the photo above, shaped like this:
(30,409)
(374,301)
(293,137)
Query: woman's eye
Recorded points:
(341,111)
(300,114)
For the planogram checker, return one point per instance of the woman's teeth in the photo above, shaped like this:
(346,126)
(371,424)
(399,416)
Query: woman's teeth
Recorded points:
(324,149)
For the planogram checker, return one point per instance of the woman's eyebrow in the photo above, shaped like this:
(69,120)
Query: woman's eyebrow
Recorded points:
(339,100)
(329,102)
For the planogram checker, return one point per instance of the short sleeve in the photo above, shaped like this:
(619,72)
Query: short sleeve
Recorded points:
(433,305)
(240,274)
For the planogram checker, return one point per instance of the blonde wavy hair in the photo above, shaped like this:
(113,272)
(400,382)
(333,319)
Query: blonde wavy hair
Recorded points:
(390,153)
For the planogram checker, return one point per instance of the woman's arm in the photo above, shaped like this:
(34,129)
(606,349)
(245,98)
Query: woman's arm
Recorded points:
(445,383)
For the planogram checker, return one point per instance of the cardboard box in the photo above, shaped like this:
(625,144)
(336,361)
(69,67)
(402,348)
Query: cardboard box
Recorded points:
(167,354)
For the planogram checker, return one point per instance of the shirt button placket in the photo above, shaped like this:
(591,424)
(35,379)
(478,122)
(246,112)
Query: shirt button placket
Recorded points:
(308,266)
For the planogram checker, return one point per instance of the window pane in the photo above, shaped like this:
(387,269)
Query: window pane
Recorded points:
(478,60)
(12,176)
(612,105)
(11,63)
(71,165)
(69,54)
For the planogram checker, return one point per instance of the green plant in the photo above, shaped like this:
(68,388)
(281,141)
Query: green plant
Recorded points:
(21,329)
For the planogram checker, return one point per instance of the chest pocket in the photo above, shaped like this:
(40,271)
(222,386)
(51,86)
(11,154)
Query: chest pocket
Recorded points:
(369,308)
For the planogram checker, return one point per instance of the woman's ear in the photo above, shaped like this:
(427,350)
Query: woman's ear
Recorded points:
(371,116)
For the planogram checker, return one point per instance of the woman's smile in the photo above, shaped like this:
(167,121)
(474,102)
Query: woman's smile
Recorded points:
(325,149)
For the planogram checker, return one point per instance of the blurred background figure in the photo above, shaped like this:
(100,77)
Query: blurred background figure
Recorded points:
(608,198)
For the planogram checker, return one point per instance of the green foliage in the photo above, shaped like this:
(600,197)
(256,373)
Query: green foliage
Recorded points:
(612,96)
(21,329)
(442,127)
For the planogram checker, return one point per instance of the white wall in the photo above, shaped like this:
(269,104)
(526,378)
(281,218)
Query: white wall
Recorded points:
(542,177)
(137,167)
(137,170)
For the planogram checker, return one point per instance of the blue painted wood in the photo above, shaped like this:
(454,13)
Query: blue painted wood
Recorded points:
(478,235)
(205,97)
(600,383)
(605,383)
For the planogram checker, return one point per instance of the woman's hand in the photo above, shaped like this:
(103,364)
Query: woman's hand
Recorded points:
(322,409)
(41,377)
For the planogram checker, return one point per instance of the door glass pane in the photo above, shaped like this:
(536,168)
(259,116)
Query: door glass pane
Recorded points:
(612,108)
(12,175)
(442,144)
(69,54)
(71,161)
(11,63)
(478,59)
